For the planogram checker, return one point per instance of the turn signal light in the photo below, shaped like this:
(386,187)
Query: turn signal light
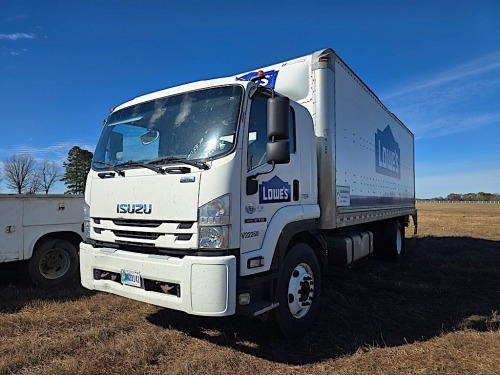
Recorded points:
(255,262)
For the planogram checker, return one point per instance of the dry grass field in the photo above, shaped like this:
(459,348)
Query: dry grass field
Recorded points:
(435,312)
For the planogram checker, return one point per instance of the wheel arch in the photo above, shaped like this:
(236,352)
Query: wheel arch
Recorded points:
(299,232)
(71,237)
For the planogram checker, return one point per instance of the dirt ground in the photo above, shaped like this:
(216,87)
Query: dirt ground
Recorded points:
(435,312)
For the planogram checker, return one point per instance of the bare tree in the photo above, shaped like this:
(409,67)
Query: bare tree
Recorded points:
(48,173)
(19,171)
(34,184)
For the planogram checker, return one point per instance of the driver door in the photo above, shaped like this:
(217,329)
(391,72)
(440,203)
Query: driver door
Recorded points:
(275,189)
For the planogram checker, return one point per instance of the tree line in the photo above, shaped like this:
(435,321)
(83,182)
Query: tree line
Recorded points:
(23,174)
(470,197)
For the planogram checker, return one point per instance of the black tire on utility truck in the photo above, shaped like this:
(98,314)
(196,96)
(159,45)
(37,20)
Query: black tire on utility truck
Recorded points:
(54,261)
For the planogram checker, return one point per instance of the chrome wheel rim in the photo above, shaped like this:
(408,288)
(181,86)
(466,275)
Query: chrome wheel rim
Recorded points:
(300,290)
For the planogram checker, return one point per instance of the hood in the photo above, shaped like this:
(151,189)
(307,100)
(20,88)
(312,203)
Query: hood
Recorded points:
(146,195)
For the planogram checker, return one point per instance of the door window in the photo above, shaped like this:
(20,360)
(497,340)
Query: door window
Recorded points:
(257,133)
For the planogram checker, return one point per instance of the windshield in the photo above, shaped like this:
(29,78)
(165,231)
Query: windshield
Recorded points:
(198,125)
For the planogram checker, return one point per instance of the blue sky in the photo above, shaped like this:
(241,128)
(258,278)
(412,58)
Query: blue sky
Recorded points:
(435,64)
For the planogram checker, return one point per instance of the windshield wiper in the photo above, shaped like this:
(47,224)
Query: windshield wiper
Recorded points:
(132,163)
(112,167)
(171,159)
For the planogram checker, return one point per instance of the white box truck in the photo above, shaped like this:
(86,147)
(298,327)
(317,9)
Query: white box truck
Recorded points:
(43,230)
(230,196)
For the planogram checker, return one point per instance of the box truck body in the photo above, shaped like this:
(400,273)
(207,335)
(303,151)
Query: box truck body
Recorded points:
(45,231)
(232,195)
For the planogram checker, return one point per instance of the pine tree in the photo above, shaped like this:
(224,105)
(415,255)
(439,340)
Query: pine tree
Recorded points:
(77,167)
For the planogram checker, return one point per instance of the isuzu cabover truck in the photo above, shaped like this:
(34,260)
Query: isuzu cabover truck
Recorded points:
(230,196)
(44,231)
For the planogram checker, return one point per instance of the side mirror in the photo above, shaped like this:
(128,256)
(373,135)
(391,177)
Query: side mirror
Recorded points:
(278,112)
(278,122)
(278,152)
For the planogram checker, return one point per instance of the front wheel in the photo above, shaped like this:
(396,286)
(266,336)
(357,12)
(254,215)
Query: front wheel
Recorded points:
(53,262)
(298,291)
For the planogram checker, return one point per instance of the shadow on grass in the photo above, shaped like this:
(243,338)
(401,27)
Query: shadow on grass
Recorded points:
(442,284)
(16,291)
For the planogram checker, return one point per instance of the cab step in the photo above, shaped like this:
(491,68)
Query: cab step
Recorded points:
(263,306)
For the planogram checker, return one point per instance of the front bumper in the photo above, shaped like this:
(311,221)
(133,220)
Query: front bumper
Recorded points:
(206,285)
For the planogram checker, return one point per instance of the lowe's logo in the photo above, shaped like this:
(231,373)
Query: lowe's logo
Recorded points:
(274,191)
(387,154)
(269,80)
(134,208)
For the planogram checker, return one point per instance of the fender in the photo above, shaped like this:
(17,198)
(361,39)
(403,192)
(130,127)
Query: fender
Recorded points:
(278,222)
(33,234)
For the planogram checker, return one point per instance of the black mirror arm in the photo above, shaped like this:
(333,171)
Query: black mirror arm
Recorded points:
(252,183)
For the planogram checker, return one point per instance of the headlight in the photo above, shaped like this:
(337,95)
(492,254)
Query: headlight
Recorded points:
(86,219)
(213,224)
(213,237)
(86,212)
(216,208)
(215,212)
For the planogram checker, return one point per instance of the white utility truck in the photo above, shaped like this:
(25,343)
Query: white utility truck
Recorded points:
(230,196)
(44,230)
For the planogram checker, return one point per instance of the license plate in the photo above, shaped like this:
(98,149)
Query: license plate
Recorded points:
(132,278)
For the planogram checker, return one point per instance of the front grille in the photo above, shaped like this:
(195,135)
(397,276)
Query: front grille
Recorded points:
(138,223)
(146,233)
(136,235)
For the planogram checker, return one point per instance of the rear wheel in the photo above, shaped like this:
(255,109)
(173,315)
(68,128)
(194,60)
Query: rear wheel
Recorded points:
(298,291)
(53,262)
(394,240)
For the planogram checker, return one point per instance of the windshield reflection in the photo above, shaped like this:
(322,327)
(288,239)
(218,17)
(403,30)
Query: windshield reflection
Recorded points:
(199,125)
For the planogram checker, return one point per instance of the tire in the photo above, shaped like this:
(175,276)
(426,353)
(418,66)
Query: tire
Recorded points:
(53,262)
(394,243)
(298,291)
